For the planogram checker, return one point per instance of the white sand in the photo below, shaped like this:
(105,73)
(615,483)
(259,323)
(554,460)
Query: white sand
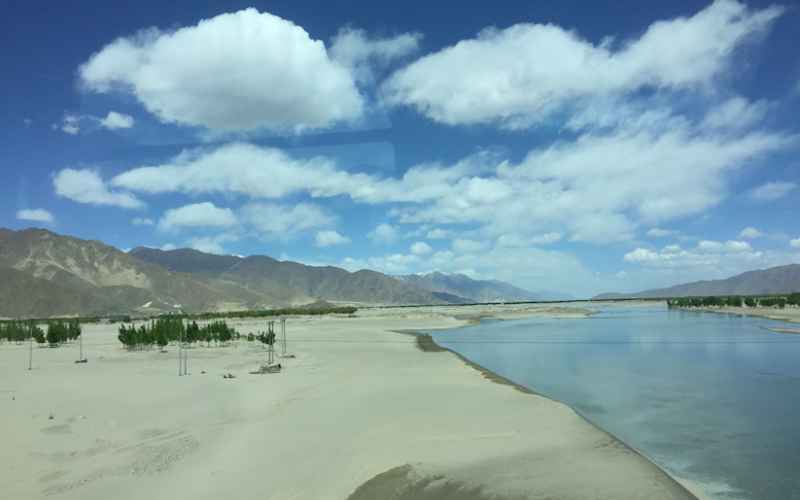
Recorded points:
(357,400)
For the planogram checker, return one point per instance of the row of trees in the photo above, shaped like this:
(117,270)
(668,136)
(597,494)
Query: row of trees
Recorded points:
(271,313)
(736,301)
(58,332)
(168,329)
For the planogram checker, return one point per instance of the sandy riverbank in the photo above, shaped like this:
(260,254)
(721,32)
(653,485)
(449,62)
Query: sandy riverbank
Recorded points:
(360,412)
(789,314)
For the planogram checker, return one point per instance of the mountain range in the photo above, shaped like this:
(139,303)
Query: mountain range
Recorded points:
(775,280)
(460,289)
(45,274)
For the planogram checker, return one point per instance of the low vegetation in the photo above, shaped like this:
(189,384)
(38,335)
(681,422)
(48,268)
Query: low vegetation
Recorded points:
(269,313)
(779,301)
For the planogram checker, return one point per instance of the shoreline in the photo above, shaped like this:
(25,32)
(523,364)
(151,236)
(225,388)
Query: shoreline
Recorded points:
(786,315)
(426,344)
(358,405)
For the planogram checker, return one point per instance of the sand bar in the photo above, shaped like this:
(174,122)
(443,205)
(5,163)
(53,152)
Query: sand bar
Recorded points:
(361,412)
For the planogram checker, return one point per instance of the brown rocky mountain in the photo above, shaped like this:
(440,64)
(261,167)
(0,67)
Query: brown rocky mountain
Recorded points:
(459,288)
(89,276)
(187,260)
(120,281)
(290,281)
(781,279)
(23,296)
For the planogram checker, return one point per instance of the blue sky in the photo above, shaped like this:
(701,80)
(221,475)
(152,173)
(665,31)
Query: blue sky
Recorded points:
(580,147)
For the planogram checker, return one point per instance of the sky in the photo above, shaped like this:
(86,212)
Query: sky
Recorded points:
(574,146)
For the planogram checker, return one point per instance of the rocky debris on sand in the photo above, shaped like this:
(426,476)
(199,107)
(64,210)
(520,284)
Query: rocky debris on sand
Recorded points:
(269,369)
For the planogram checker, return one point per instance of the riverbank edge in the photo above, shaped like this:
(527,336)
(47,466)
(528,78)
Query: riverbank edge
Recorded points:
(425,343)
(753,313)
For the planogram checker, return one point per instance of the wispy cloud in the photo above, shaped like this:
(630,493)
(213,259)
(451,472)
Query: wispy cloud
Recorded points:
(37,214)
(772,191)
(520,75)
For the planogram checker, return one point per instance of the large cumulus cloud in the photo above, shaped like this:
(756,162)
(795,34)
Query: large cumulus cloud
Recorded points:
(234,72)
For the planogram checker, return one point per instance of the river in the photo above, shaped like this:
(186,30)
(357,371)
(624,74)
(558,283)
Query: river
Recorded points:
(712,398)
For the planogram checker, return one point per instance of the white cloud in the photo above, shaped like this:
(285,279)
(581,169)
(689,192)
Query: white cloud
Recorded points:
(168,246)
(384,233)
(729,246)
(437,234)
(707,253)
(600,187)
(795,242)
(116,120)
(659,233)
(352,47)
(327,238)
(750,232)
(285,221)
(86,186)
(441,259)
(234,72)
(519,75)
(139,221)
(420,248)
(353,265)
(395,263)
(735,113)
(546,239)
(27,123)
(517,240)
(197,214)
(463,245)
(37,214)
(772,191)
(640,255)
(211,244)
(70,124)
(241,168)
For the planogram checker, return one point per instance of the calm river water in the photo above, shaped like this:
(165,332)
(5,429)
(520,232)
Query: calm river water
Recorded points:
(712,398)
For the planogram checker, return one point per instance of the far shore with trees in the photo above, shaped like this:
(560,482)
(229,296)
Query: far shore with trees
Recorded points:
(763,301)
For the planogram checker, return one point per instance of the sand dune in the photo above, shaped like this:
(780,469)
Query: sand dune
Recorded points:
(360,412)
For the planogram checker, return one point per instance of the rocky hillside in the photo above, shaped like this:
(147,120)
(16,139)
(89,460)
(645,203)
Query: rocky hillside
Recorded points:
(292,282)
(459,288)
(120,282)
(782,279)
(23,296)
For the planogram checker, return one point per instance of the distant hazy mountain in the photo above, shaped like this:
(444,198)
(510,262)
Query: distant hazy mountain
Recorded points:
(458,288)
(782,279)
(290,281)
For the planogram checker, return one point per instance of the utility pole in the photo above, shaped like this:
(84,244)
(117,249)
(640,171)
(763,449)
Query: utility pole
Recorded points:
(185,356)
(30,360)
(283,332)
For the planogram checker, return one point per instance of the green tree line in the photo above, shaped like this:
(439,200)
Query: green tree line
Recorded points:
(58,332)
(269,313)
(165,329)
(736,301)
